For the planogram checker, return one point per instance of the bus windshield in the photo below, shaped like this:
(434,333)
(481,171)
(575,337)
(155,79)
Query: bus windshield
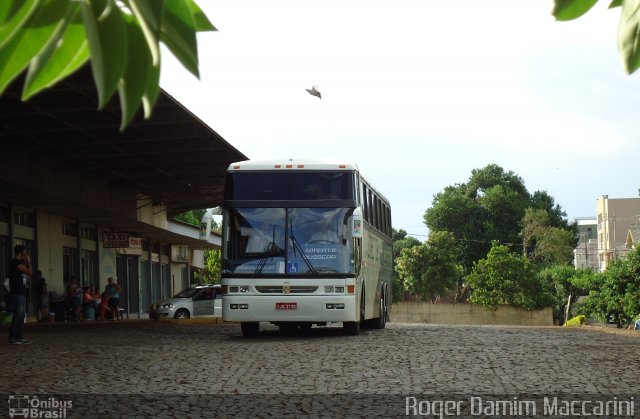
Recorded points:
(288,241)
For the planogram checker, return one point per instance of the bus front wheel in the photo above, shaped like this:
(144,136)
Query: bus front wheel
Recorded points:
(250,329)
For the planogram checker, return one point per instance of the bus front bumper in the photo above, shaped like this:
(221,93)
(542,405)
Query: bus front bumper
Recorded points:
(308,308)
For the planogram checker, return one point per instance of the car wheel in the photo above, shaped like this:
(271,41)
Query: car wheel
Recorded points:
(183,313)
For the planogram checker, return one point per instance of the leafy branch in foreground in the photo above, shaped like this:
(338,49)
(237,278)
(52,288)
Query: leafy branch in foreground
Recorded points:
(628,31)
(54,38)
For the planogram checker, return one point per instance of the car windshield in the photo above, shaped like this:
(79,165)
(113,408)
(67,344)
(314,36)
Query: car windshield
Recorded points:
(187,293)
(288,241)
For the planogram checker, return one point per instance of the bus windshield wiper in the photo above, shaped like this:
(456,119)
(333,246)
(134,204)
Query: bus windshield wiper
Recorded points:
(270,249)
(296,245)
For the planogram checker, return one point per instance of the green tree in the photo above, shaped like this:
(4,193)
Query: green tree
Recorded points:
(120,38)
(557,216)
(490,206)
(617,298)
(628,34)
(455,211)
(193,217)
(504,277)
(566,285)
(542,242)
(400,241)
(212,266)
(432,268)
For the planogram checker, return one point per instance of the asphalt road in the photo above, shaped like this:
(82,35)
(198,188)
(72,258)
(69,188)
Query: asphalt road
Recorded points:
(165,369)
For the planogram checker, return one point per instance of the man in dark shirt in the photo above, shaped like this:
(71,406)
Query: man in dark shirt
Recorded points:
(19,269)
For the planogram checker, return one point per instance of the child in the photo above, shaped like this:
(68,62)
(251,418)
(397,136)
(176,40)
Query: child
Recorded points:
(103,308)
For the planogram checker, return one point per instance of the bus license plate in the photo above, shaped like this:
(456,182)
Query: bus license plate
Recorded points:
(286,306)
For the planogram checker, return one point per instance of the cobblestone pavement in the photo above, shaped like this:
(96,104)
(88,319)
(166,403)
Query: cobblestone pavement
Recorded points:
(141,368)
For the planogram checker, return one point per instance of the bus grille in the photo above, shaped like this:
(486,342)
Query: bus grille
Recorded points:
(294,289)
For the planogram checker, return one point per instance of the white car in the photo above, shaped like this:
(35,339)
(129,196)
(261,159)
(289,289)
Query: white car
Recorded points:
(205,300)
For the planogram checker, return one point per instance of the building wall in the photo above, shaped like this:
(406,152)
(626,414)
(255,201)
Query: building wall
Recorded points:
(615,217)
(469,314)
(585,255)
(50,244)
(50,240)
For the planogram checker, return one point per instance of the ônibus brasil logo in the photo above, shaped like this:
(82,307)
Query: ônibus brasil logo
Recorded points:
(35,407)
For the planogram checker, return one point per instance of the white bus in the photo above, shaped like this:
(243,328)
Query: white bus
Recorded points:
(304,242)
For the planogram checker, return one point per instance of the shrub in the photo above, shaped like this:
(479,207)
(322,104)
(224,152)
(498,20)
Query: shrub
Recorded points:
(576,321)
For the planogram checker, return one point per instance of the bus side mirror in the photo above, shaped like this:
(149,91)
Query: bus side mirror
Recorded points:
(356,224)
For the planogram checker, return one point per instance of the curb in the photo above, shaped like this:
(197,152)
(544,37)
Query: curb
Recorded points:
(191,320)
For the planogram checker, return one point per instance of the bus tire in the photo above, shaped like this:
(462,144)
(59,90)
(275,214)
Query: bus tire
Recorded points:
(250,329)
(381,321)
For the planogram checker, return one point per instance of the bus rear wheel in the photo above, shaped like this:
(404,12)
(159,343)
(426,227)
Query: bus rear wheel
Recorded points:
(381,321)
(250,329)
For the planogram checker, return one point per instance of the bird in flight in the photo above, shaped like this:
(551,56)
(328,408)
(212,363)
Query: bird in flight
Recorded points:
(314,91)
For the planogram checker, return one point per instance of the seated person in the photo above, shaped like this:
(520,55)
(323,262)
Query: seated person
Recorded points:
(87,298)
(324,234)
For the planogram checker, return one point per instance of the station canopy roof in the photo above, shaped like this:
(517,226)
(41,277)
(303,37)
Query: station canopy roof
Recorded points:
(173,158)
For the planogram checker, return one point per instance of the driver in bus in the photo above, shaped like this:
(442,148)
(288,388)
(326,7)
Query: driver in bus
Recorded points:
(324,234)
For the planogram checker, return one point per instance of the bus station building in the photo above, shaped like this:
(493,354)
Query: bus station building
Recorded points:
(91,202)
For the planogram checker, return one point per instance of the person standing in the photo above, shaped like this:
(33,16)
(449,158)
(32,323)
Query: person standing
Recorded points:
(113,294)
(42,297)
(19,271)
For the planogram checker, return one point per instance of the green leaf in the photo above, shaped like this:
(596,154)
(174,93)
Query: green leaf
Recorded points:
(149,15)
(152,90)
(615,3)
(13,15)
(629,35)
(106,33)
(66,51)
(202,23)
(30,39)
(134,80)
(571,9)
(179,35)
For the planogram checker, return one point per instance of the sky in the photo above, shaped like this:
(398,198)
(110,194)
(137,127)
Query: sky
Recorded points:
(420,93)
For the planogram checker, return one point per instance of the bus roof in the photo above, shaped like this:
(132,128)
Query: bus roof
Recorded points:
(291,164)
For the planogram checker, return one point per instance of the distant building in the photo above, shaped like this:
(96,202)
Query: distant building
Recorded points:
(585,255)
(615,217)
(633,237)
